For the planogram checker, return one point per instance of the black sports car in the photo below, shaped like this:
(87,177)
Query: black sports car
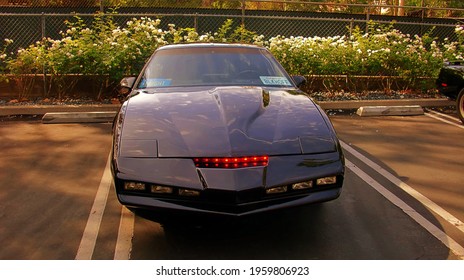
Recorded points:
(450,82)
(221,129)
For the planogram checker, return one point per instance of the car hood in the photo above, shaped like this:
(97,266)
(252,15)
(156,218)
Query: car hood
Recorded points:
(222,122)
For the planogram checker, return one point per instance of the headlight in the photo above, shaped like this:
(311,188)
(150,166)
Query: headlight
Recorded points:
(134,186)
(302,185)
(326,181)
(276,190)
(161,189)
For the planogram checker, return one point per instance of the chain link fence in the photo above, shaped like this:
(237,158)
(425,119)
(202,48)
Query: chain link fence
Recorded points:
(28,21)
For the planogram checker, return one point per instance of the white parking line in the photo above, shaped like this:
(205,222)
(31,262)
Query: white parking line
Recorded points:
(408,189)
(125,234)
(89,238)
(434,116)
(457,249)
(443,115)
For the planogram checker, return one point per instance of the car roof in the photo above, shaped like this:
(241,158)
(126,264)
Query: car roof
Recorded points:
(210,45)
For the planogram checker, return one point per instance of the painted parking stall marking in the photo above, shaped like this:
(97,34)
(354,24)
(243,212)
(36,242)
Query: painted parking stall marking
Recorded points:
(89,238)
(444,118)
(457,249)
(126,225)
(125,234)
(408,189)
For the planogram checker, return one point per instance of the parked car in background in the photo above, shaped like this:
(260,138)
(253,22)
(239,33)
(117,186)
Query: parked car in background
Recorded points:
(450,82)
(221,129)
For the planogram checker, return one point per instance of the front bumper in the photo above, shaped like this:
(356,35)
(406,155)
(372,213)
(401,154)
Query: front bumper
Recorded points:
(167,206)
(236,192)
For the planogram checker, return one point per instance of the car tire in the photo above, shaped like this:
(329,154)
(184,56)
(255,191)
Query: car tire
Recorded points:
(460,105)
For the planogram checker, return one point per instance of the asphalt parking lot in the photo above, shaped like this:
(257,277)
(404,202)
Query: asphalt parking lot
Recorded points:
(402,199)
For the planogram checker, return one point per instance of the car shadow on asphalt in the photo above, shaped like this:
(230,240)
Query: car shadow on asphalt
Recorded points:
(273,235)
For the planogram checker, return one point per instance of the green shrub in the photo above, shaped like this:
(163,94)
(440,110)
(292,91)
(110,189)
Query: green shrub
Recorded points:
(383,51)
(106,51)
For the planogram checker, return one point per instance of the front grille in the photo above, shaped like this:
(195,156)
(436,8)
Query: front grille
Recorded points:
(235,202)
(231,197)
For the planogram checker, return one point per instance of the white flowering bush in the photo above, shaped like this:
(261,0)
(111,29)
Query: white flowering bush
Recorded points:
(104,51)
(4,56)
(455,50)
(382,51)
(107,52)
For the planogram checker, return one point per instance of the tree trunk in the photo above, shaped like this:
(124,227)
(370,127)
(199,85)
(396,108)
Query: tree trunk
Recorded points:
(400,8)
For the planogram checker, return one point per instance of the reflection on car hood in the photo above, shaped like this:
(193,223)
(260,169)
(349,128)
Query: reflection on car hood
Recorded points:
(227,121)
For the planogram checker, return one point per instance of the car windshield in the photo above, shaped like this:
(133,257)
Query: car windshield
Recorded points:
(211,65)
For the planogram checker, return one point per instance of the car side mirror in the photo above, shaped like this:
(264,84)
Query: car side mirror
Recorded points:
(126,84)
(299,80)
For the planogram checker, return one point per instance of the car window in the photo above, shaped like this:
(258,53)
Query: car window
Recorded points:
(197,66)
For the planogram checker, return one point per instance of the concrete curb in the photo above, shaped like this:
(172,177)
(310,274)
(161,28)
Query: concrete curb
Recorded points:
(44,109)
(355,104)
(370,111)
(106,112)
(78,117)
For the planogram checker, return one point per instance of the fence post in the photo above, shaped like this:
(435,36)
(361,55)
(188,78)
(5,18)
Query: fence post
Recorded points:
(243,13)
(42,25)
(195,22)
(102,7)
(44,70)
(368,17)
(351,26)
(422,18)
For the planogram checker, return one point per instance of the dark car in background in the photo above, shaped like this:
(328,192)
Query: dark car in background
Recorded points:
(450,82)
(221,129)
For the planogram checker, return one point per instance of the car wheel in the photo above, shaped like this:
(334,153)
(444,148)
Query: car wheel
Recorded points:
(460,105)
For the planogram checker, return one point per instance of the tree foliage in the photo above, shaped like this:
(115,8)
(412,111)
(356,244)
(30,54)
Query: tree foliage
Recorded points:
(430,8)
